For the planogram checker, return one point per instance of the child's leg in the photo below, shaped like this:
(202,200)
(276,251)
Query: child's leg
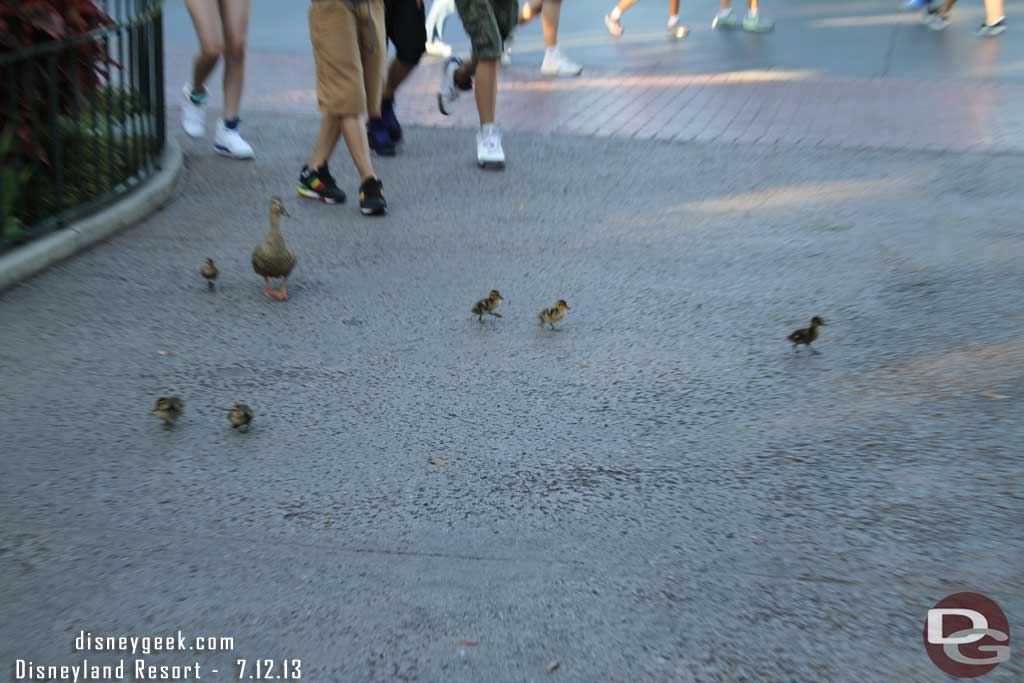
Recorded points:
(622,7)
(994,11)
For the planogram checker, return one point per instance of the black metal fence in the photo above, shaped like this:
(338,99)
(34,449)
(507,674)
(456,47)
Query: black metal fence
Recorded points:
(81,116)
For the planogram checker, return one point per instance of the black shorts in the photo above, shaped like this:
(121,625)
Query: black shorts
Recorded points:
(406,25)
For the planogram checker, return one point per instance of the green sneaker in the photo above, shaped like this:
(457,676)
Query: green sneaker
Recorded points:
(729,20)
(757,25)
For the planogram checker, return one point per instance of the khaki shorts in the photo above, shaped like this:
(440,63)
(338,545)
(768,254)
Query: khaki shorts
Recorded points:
(350,49)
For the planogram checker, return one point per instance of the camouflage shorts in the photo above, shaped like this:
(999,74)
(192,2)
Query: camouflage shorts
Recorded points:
(488,23)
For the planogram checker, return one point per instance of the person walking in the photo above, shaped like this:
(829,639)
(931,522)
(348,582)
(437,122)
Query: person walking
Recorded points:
(440,10)
(555,63)
(488,23)
(937,19)
(405,24)
(613,20)
(753,22)
(349,50)
(221,27)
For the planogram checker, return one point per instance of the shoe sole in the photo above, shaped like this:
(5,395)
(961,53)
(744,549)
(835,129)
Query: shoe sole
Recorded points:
(992,33)
(440,105)
(225,152)
(557,74)
(491,165)
(310,194)
(373,212)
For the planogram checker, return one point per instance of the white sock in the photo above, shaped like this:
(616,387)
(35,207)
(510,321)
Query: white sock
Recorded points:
(673,19)
(550,53)
(725,12)
(752,13)
(616,13)
(996,21)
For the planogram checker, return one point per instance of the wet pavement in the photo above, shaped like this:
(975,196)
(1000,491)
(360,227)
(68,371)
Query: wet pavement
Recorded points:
(659,490)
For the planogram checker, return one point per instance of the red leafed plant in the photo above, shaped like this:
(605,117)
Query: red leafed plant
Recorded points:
(79,67)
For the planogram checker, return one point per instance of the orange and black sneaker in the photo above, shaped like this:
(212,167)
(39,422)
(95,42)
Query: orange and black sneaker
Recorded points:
(371,197)
(319,184)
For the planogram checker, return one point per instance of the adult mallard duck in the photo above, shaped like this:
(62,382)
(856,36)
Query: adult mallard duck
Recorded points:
(806,335)
(488,306)
(272,258)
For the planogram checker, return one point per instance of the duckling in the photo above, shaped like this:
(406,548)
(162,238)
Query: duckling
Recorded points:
(240,415)
(488,306)
(169,409)
(806,335)
(209,272)
(273,258)
(554,314)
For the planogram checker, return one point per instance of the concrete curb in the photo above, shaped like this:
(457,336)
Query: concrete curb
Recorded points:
(38,255)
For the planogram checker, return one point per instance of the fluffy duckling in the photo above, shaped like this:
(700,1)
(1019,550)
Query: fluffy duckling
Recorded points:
(273,258)
(169,409)
(210,272)
(240,416)
(488,306)
(553,314)
(806,335)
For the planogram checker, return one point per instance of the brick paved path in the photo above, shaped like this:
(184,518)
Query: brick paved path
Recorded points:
(755,107)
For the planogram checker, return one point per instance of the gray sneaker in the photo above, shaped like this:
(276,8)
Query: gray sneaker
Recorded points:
(755,24)
(449,92)
(992,30)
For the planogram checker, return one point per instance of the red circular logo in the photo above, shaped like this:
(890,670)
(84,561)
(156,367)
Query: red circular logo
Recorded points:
(967,635)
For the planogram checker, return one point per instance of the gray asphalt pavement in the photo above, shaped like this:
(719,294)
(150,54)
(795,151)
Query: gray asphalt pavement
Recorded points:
(659,490)
(863,39)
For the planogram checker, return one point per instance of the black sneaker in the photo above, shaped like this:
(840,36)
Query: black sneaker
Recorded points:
(379,137)
(371,198)
(387,112)
(319,184)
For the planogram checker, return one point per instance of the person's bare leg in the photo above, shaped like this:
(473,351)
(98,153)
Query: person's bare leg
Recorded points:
(206,19)
(550,14)
(946,7)
(625,5)
(673,8)
(397,73)
(486,89)
(994,11)
(752,6)
(326,140)
(235,14)
(463,76)
(725,4)
(529,11)
(354,132)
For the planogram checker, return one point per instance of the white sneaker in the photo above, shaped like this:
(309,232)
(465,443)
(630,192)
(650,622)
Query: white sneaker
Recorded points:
(557,64)
(193,116)
(935,21)
(489,153)
(230,143)
(436,48)
(449,92)
(614,26)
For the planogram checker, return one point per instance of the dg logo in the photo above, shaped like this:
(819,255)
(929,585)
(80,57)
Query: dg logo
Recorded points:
(967,635)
